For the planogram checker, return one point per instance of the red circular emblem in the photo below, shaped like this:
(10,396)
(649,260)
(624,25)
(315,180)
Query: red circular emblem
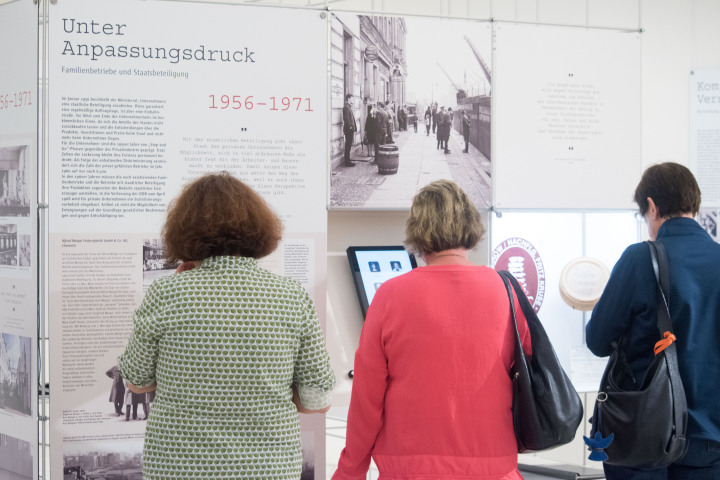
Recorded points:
(519,257)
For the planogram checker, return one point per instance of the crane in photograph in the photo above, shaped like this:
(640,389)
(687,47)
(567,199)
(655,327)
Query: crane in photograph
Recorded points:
(460,91)
(483,65)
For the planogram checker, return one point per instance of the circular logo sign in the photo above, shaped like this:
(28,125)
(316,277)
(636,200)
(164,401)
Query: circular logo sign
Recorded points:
(371,53)
(519,257)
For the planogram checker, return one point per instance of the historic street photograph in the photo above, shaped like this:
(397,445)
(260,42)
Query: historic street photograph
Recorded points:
(410,104)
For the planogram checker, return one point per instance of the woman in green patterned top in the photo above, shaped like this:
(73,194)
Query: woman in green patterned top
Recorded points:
(233,351)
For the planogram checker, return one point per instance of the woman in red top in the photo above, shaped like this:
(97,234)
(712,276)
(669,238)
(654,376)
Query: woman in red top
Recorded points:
(432,393)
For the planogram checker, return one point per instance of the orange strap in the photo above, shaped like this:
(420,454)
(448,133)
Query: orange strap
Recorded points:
(664,343)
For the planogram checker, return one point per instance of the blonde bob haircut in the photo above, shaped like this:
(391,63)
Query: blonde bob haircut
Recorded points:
(442,217)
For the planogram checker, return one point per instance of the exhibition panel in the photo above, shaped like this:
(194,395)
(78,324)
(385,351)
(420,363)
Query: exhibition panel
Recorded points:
(145,97)
(19,262)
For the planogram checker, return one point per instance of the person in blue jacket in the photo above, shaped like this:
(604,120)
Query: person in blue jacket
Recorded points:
(668,197)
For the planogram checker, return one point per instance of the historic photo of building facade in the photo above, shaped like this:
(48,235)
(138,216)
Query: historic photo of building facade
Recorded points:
(154,264)
(15,378)
(8,244)
(103,459)
(420,74)
(16,460)
(14,192)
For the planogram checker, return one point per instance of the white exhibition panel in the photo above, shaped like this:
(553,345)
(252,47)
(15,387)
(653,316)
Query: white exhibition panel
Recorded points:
(18,241)
(566,112)
(704,102)
(144,97)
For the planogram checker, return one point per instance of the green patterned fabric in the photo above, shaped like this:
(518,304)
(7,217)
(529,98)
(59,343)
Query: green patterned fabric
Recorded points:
(225,342)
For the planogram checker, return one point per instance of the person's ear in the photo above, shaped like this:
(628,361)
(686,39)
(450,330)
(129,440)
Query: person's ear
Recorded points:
(652,208)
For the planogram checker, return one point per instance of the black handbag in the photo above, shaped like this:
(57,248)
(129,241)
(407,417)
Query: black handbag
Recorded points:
(546,408)
(643,428)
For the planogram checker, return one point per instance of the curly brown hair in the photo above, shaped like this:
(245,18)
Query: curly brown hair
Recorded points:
(218,214)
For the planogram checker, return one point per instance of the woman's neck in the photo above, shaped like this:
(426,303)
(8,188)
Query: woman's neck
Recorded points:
(455,256)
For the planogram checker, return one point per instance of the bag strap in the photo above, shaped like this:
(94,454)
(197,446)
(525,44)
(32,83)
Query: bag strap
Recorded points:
(525,304)
(662,277)
(519,352)
(658,255)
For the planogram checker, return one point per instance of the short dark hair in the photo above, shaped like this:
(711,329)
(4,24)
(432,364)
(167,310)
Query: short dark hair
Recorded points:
(442,217)
(348,96)
(672,187)
(217,214)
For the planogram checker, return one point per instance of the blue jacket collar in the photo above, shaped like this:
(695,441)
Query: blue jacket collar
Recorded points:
(680,226)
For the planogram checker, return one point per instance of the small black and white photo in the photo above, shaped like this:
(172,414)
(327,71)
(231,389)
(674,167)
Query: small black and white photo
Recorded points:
(8,245)
(24,250)
(708,220)
(307,440)
(15,374)
(395,266)
(14,191)
(374,266)
(410,105)
(125,405)
(16,459)
(154,264)
(120,459)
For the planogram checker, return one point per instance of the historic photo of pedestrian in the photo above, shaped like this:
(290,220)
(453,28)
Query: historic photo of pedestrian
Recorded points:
(125,402)
(393,73)
(24,252)
(14,193)
(15,374)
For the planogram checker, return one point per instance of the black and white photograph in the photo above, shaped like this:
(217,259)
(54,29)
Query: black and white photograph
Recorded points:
(24,251)
(8,245)
(154,264)
(16,460)
(708,220)
(307,440)
(103,459)
(125,405)
(14,193)
(410,105)
(15,378)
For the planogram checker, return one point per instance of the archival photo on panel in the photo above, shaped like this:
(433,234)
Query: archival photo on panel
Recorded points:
(410,104)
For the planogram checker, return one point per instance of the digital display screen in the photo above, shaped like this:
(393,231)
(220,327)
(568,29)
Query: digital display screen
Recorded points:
(372,266)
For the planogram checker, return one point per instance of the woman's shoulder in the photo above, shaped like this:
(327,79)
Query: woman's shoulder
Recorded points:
(276,283)
(635,252)
(421,274)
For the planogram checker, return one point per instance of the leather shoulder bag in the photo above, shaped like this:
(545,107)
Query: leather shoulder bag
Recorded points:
(546,407)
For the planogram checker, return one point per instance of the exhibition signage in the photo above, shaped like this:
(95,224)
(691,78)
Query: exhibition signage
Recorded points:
(18,241)
(145,97)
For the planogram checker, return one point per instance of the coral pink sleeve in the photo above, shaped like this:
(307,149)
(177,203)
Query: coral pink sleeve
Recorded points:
(365,416)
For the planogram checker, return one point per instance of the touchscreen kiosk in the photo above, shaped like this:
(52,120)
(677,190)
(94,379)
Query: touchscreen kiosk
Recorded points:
(371,266)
